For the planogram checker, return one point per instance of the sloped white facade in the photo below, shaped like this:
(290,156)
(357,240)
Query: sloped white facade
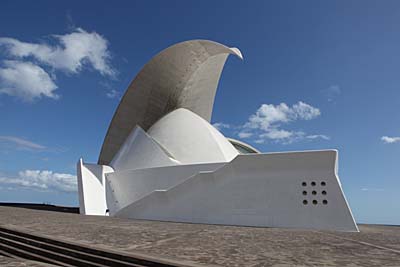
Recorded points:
(190,139)
(174,165)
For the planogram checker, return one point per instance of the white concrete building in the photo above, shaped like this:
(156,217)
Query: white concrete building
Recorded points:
(162,159)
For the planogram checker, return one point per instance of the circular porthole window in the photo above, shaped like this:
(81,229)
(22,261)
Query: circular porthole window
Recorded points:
(323,183)
(314,192)
(313,183)
(304,184)
(305,202)
(325,202)
(304,193)
(323,192)
(315,202)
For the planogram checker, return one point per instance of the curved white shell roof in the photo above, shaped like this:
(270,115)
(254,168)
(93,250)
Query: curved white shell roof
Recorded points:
(190,139)
(184,75)
(180,137)
(140,151)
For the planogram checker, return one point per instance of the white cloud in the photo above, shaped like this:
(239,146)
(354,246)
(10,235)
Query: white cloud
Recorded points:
(276,134)
(22,76)
(266,122)
(113,94)
(26,81)
(219,126)
(42,180)
(318,136)
(21,143)
(304,111)
(73,52)
(390,140)
(268,115)
(245,135)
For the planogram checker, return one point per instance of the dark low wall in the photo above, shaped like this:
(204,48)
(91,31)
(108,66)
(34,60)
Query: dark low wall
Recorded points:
(41,207)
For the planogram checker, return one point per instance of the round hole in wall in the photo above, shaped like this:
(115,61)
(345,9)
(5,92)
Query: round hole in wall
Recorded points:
(315,202)
(323,183)
(305,202)
(304,193)
(303,183)
(324,201)
(323,192)
(314,192)
(313,183)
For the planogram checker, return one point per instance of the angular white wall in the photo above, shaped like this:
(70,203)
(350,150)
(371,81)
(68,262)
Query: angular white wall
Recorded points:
(126,187)
(140,151)
(91,189)
(267,190)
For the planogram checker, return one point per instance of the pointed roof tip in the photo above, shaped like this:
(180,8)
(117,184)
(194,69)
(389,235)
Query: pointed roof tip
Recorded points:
(236,52)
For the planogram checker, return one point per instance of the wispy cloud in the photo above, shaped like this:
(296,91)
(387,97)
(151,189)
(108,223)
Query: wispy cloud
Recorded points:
(24,76)
(42,180)
(220,125)
(21,143)
(245,134)
(372,189)
(390,139)
(332,92)
(114,94)
(111,92)
(318,136)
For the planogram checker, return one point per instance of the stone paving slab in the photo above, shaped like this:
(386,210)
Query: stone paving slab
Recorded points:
(216,245)
(11,262)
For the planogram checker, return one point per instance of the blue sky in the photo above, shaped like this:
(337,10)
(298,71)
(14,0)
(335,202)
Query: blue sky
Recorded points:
(315,75)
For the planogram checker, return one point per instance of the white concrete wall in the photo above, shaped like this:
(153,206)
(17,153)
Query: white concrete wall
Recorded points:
(92,195)
(256,190)
(125,187)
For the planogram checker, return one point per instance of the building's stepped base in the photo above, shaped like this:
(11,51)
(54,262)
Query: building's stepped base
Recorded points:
(294,190)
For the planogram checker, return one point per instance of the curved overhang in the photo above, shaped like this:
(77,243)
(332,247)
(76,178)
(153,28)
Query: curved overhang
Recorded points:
(185,75)
(242,147)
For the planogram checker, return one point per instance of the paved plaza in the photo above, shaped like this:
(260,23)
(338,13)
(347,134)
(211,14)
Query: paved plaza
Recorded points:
(211,244)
